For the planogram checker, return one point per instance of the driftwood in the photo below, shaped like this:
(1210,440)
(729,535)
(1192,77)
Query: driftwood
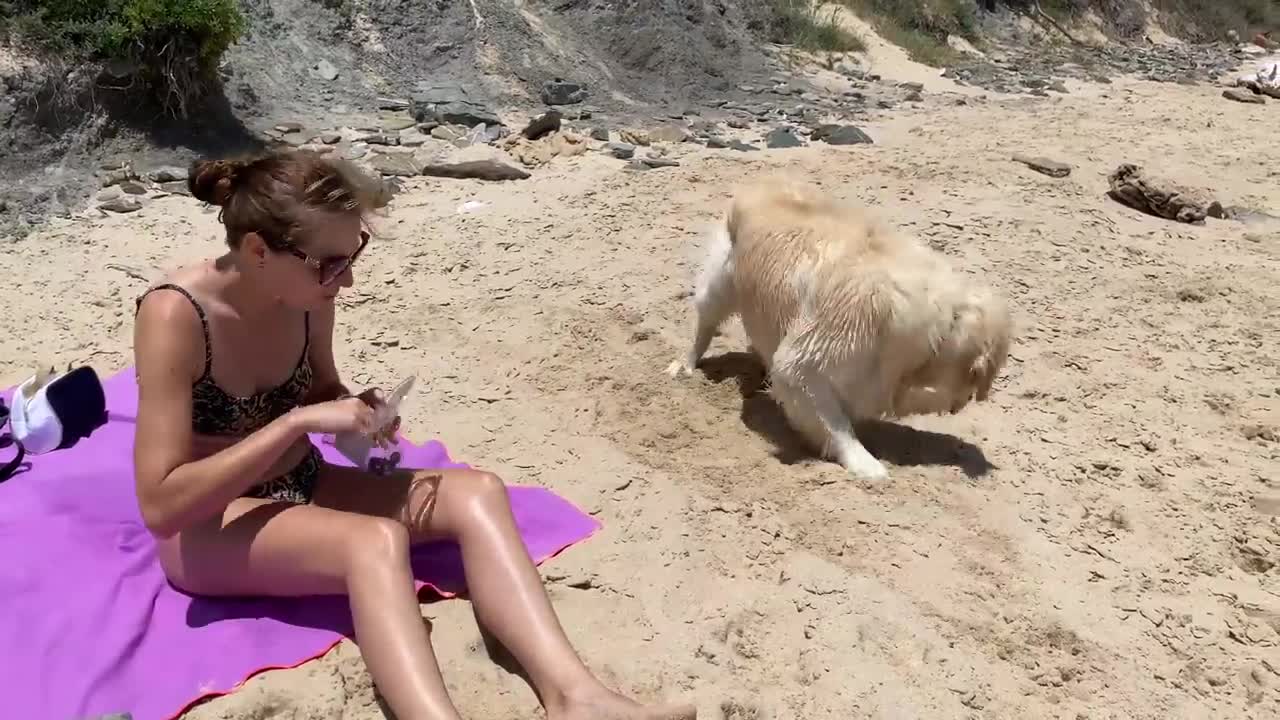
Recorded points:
(1131,186)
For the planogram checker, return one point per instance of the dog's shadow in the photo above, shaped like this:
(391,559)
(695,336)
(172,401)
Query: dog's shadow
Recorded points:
(898,444)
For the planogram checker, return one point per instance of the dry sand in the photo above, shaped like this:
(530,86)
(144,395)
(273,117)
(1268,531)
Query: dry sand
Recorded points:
(1099,541)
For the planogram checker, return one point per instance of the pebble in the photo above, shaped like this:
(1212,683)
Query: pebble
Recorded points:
(780,138)
(399,165)
(1244,96)
(1044,165)
(563,92)
(167,174)
(396,124)
(668,133)
(660,162)
(122,204)
(544,124)
(325,70)
(620,150)
(412,138)
(840,135)
(444,132)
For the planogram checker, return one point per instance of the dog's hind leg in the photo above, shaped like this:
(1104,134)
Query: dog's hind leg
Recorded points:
(713,299)
(813,408)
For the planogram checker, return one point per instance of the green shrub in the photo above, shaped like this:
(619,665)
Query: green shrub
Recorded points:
(175,44)
(1212,19)
(921,27)
(801,23)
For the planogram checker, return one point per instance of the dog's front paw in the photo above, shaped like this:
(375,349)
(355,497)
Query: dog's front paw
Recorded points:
(867,468)
(679,368)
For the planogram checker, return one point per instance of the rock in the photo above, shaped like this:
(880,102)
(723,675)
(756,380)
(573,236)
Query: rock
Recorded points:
(176,187)
(132,187)
(637,165)
(449,104)
(545,124)
(668,133)
(396,124)
(399,164)
(330,137)
(1059,86)
(412,138)
(1244,96)
(742,147)
(379,139)
(620,150)
(1157,196)
(115,177)
(355,152)
(738,123)
(782,137)
(393,104)
(654,161)
(840,135)
(717,143)
(288,127)
(635,137)
(166,174)
(443,132)
(491,170)
(850,69)
(563,92)
(600,133)
(122,204)
(912,86)
(1052,168)
(533,153)
(325,70)
(108,193)
(913,96)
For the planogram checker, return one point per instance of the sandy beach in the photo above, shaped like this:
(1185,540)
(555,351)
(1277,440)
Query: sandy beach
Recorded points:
(1098,541)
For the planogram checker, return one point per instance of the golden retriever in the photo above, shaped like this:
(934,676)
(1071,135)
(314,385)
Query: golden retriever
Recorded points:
(852,319)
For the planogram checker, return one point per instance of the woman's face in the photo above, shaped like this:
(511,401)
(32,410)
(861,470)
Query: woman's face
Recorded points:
(319,263)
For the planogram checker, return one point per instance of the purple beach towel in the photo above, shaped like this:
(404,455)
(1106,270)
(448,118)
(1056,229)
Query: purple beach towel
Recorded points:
(90,625)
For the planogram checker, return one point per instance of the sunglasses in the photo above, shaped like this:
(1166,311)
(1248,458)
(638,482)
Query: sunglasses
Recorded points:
(330,269)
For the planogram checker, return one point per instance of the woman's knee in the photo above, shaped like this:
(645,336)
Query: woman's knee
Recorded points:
(478,492)
(376,542)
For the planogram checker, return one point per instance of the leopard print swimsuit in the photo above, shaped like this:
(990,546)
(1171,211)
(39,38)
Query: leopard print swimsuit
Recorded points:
(215,411)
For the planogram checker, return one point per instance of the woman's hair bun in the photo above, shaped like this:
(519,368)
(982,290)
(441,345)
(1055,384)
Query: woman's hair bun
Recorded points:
(214,181)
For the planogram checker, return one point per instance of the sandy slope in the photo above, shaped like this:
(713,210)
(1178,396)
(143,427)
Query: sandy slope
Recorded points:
(1114,560)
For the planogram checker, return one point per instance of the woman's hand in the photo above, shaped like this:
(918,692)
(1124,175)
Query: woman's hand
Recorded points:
(351,414)
(385,435)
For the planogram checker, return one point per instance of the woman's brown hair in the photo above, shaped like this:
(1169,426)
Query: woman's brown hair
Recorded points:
(269,194)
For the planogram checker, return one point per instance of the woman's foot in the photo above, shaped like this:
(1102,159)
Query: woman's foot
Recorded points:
(606,705)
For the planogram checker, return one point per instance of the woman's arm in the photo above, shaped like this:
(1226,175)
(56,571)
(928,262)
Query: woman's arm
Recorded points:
(326,385)
(174,491)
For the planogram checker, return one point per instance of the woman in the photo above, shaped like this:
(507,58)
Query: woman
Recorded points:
(235,366)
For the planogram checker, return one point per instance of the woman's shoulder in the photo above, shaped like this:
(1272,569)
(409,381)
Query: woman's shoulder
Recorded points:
(178,296)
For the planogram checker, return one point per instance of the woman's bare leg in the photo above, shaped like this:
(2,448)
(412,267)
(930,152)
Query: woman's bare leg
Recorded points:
(264,548)
(472,508)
